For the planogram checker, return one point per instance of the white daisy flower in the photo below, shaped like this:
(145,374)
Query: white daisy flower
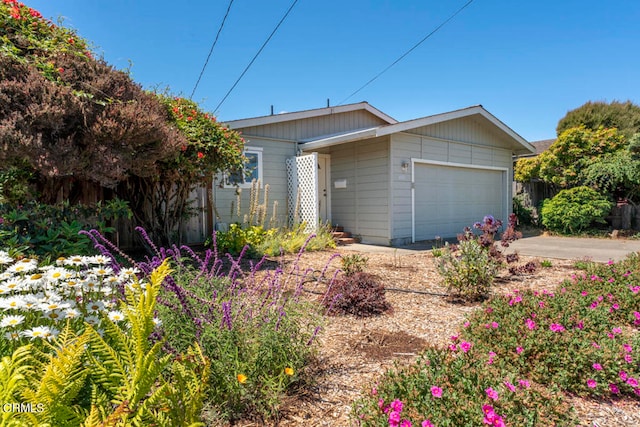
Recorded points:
(95,306)
(55,315)
(76,261)
(5,258)
(4,290)
(53,305)
(34,279)
(23,266)
(102,271)
(71,313)
(11,321)
(157,321)
(116,316)
(31,302)
(56,274)
(12,335)
(40,332)
(13,284)
(12,303)
(90,284)
(5,276)
(99,259)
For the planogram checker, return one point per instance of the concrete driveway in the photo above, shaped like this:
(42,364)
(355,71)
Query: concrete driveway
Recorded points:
(599,250)
(572,248)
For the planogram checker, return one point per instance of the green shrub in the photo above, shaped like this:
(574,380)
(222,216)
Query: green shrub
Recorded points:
(468,270)
(525,214)
(53,230)
(354,263)
(234,240)
(291,240)
(575,210)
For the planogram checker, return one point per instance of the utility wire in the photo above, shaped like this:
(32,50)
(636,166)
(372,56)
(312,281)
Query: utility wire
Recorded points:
(408,52)
(211,50)
(256,56)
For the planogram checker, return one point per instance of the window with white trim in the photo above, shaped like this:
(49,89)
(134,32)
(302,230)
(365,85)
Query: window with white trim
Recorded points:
(252,170)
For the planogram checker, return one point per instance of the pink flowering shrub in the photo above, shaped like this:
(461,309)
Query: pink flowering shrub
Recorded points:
(512,361)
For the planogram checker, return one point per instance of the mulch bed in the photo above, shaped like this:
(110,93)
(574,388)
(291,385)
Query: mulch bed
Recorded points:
(354,352)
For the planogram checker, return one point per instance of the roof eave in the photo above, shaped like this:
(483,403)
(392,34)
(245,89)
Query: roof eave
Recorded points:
(298,115)
(339,139)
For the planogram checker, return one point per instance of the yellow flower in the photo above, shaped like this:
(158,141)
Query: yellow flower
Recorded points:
(242,378)
(288,371)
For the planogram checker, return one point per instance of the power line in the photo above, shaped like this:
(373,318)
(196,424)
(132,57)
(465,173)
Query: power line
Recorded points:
(408,52)
(256,55)
(211,50)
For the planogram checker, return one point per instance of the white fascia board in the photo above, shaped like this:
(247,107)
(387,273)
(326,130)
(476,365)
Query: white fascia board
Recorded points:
(338,139)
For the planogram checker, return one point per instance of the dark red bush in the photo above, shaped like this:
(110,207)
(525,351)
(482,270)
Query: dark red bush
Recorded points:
(359,294)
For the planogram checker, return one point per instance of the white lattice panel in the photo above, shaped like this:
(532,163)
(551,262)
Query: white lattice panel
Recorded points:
(302,173)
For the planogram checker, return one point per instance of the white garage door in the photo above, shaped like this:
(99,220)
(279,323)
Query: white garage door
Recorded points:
(449,198)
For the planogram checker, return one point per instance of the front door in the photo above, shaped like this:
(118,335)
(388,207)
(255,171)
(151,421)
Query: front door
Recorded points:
(324,188)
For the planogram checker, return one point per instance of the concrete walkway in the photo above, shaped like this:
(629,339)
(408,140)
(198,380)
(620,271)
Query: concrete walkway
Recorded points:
(572,248)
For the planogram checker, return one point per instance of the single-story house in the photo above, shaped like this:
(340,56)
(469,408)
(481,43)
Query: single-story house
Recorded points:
(385,181)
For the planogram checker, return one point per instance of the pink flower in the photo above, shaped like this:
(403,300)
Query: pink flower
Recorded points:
(584,293)
(530,324)
(515,300)
(465,346)
(466,324)
(617,331)
(519,350)
(580,325)
(524,383)
(627,348)
(394,418)
(454,338)
(405,423)
(595,344)
(556,327)
(614,388)
(427,423)
(491,393)
(436,391)
(597,366)
(541,304)
(396,405)
(628,358)
(594,304)
(381,403)
(623,375)
(591,383)
(374,391)
(632,382)
(510,386)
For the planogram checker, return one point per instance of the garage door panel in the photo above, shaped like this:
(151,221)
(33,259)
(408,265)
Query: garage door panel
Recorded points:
(448,198)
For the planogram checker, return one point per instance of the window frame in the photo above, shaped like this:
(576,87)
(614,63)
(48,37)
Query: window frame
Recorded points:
(244,184)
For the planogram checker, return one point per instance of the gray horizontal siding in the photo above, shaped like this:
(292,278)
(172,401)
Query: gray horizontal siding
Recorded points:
(363,207)
(298,130)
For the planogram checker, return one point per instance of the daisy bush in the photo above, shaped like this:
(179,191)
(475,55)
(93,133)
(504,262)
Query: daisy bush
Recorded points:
(516,357)
(37,301)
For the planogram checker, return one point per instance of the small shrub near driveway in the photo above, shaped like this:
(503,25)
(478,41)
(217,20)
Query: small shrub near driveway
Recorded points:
(575,210)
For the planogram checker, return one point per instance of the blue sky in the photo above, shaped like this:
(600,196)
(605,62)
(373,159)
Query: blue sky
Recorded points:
(528,63)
